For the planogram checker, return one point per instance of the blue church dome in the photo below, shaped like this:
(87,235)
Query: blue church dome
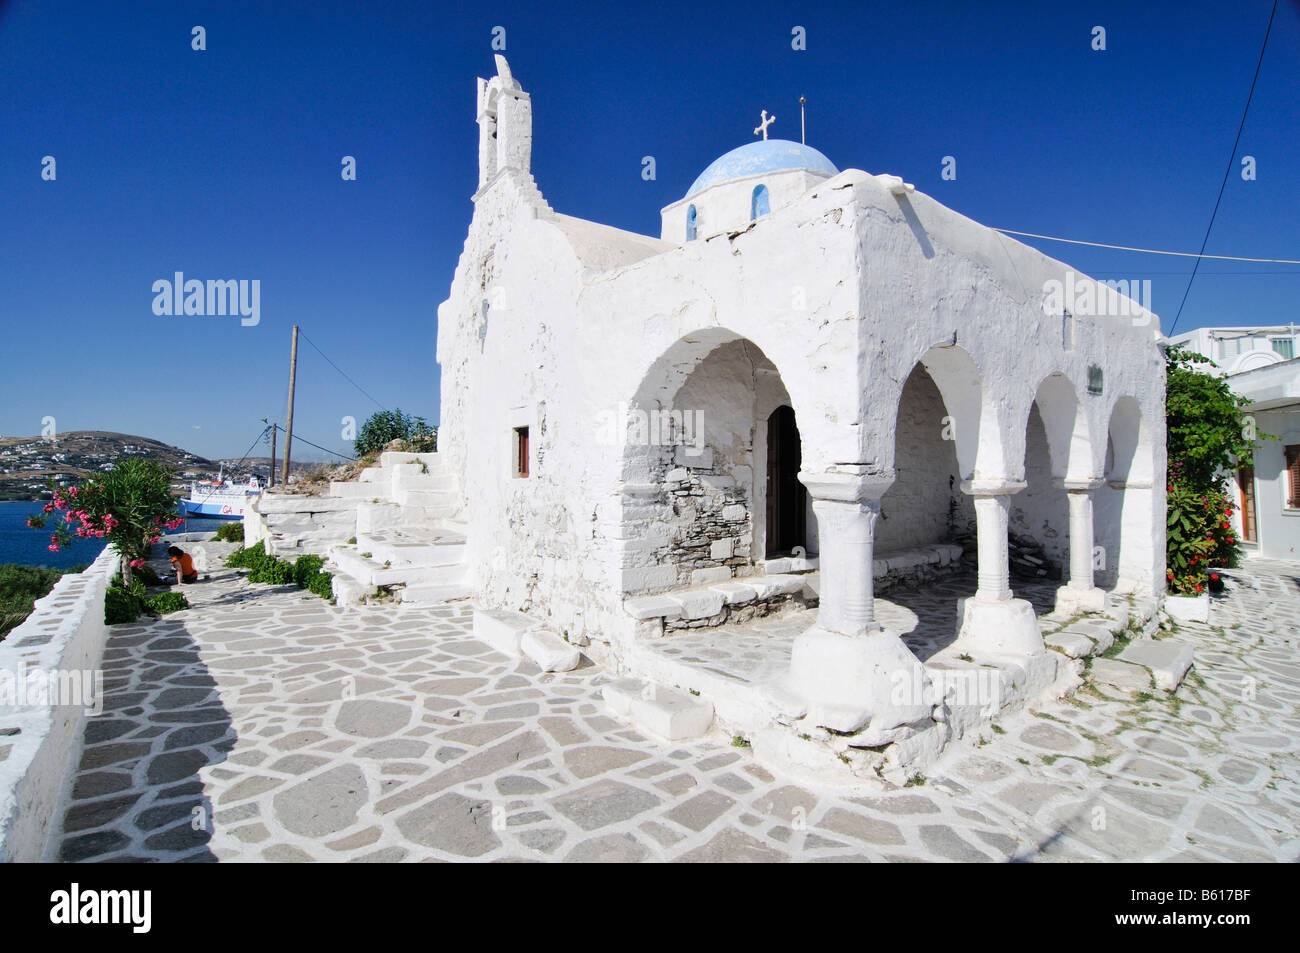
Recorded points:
(765,155)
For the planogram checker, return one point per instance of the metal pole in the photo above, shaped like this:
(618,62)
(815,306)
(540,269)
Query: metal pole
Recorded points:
(803,137)
(288,423)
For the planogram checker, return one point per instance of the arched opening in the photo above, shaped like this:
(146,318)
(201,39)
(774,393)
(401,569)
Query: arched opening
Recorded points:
(695,488)
(690,223)
(1123,514)
(787,500)
(925,504)
(1038,531)
(760,203)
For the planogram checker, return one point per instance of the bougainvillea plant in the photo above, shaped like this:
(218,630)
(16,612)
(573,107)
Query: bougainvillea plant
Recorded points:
(1209,435)
(129,507)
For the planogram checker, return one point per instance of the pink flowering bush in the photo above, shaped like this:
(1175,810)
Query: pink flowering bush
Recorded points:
(129,506)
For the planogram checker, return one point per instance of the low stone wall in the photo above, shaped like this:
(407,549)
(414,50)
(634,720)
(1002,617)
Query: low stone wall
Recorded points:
(290,524)
(49,679)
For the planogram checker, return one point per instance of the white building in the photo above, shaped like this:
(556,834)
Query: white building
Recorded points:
(1262,366)
(805,362)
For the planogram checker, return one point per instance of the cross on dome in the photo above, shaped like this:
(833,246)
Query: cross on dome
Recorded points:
(762,126)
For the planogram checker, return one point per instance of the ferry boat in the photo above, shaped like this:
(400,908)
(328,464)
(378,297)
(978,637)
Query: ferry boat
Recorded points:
(219,499)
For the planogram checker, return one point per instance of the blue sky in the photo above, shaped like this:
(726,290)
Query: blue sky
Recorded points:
(225,163)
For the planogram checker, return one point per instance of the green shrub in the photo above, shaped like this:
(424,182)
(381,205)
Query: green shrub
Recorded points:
(305,568)
(232,532)
(20,587)
(122,605)
(147,576)
(166,602)
(382,428)
(247,557)
(322,584)
(273,571)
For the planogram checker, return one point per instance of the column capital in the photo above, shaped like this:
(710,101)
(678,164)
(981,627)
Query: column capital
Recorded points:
(847,483)
(996,486)
(1078,484)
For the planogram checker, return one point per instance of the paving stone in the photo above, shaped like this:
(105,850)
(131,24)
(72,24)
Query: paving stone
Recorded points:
(604,802)
(860,826)
(701,811)
(609,849)
(731,846)
(452,823)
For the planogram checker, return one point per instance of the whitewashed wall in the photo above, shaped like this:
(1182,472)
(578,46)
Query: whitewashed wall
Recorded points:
(65,634)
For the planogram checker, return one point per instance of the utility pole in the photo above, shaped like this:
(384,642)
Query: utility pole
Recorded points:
(288,422)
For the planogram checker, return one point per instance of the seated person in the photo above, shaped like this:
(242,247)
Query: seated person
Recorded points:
(184,563)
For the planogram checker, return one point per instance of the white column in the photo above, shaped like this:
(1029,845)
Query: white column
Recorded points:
(847,672)
(1080,539)
(993,621)
(846,537)
(1080,593)
(992,516)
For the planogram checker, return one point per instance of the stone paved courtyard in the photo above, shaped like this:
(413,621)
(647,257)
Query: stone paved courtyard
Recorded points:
(266,725)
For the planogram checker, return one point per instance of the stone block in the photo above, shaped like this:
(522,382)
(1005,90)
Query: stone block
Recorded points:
(735,593)
(1122,675)
(653,607)
(722,548)
(502,629)
(1189,608)
(1167,659)
(549,651)
(666,712)
(705,577)
(698,603)
(1073,644)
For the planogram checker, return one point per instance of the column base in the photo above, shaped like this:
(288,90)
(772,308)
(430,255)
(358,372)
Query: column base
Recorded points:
(848,683)
(1073,601)
(1000,626)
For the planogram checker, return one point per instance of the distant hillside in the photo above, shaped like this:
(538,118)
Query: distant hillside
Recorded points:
(26,463)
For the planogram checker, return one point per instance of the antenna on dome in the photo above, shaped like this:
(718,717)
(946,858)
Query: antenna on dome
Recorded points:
(803,138)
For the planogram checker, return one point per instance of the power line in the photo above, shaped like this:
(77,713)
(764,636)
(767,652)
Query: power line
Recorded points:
(319,447)
(256,441)
(339,369)
(1232,158)
(1156,251)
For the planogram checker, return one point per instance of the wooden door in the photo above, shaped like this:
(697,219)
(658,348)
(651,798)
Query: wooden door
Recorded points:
(1246,491)
(786,500)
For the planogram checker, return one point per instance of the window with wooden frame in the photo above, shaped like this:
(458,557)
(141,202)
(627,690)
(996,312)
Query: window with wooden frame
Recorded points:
(1293,477)
(521,452)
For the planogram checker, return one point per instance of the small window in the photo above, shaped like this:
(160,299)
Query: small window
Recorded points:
(690,224)
(521,452)
(1285,347)
(761,203)
(1293,477)
(1067,331)
(1094,379)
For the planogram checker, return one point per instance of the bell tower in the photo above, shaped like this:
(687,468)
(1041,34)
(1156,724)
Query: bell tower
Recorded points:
(505,125)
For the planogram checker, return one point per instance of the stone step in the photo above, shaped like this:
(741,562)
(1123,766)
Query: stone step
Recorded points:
(441,500)
(379,517)
(433,482)
(406,549)
(516,635)
(433,595)
(706,601)
(664,712)
(392,458)
(373,573)
(1168,660)
(361,491)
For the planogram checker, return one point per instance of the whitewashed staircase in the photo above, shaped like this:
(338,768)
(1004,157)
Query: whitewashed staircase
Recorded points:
(406,539)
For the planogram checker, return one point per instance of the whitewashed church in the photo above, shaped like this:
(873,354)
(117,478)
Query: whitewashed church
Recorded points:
(802,391)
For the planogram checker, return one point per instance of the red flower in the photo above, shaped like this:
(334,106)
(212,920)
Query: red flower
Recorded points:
(1198,587)
(1214,576)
